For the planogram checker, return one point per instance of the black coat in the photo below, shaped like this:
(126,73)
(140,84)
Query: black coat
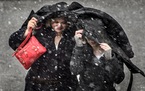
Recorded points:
(51,66)
(96,75)
(51,70)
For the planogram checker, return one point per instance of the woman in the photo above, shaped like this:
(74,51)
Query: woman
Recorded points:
(95,65)
(51,71)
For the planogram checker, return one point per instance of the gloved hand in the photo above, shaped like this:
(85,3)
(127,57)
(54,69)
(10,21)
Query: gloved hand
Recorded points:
(107,50)
(78,38)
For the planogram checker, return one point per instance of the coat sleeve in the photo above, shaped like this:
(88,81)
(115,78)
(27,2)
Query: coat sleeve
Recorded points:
(114,70)
(76,64)
(16,38)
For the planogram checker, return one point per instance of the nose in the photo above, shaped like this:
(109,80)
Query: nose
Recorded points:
(59,24)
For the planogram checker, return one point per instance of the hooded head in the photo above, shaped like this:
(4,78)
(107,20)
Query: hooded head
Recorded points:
(94,30)
(58,10)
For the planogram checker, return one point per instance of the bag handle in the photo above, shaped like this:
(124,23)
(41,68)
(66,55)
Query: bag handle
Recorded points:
(24,42)
(26,39)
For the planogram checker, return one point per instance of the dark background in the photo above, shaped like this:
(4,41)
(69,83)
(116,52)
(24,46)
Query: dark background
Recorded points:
(129,13)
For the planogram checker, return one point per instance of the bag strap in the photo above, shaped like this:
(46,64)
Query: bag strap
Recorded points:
(130,82)
(26,39)
(24,42)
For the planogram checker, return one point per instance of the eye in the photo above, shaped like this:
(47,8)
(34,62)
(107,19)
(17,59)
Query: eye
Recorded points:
(64,22)
(56,22)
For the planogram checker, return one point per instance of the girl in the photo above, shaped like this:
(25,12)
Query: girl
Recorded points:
(95,65)
(51,71)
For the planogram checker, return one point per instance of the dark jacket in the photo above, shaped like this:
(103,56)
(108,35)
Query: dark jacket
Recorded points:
(96,75)
(53,65)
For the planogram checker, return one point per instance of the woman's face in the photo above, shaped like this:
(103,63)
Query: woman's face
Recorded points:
(59,24)
(92,42)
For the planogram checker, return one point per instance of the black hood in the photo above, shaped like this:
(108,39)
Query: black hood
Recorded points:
(61,6)
(50,11)
(94,30)
(58,7)
(58,10)
(90,18)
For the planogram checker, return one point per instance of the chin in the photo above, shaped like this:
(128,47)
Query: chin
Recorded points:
(59,31)
(92,45)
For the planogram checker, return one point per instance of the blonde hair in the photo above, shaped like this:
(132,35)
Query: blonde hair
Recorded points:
(49,21)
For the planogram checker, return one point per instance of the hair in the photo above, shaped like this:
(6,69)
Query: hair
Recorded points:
(54,15)
(48,21)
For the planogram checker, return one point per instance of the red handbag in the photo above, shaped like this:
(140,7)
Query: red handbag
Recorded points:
(29,51)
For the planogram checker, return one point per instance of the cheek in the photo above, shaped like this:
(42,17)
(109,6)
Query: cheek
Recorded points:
(53,25)
(64,26)
(91,42)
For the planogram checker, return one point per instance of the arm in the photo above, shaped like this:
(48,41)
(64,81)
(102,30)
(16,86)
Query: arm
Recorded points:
(114,69)
(76,64)
(77,58)
(17,37)
(112,64)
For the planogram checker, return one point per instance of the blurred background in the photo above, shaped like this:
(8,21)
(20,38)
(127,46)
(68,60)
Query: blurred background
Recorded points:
(129,13)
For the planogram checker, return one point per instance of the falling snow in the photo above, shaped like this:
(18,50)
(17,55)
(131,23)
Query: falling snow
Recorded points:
(129,13)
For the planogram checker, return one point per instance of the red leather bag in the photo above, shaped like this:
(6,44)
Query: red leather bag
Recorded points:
(29,51)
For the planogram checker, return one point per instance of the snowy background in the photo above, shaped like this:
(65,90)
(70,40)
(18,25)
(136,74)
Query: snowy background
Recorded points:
(129,13)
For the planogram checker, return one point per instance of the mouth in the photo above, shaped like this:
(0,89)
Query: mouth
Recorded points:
(58,28)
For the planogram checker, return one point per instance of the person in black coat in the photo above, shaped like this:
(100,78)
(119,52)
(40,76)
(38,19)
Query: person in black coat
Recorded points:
(95,64)
(51,71)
